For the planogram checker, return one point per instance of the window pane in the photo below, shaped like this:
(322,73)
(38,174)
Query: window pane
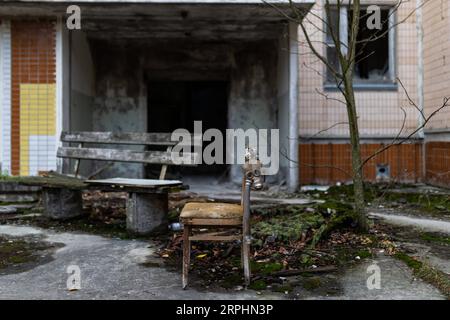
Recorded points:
(332,21)
(332,58)
(372,62)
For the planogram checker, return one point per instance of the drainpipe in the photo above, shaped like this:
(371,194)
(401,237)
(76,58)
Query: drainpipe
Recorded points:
(293,174)
(420,79)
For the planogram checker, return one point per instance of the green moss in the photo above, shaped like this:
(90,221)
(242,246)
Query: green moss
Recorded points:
(434,203)
(410,261)
(258,285)
(338,220)
(231,281)
(173,215)
(266,268)
(288,226)
(335,206)
(312,283)
(18,252)
(427,273)
(430,237)
(53,180)
(283,288)
(384,194)
(364,254)
(305,260)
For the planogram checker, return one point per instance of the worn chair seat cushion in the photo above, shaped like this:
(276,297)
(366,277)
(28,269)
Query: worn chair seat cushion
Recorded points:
(201,210)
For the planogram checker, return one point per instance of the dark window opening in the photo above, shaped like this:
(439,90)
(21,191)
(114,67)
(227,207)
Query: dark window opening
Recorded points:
(375,58)
(372,62)
(177,104)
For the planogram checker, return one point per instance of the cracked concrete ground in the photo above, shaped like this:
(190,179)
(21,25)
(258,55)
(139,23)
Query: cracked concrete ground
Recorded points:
(411,227)
(112,269)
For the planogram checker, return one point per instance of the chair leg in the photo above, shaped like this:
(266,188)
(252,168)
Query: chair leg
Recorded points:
(186,255)
(246,260)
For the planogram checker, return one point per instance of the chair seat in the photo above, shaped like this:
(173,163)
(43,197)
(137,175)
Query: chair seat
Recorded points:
(199,210)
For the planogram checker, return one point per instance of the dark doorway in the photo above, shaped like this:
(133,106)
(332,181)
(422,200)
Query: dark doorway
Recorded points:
(177,104)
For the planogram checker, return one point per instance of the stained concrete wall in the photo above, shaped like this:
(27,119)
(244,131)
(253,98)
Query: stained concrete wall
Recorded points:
(82,89)
(122,71)
(253,94)
(120,103)
(283,102)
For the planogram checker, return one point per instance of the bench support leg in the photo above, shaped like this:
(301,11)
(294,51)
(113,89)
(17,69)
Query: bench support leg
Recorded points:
(147,212)
(61,204)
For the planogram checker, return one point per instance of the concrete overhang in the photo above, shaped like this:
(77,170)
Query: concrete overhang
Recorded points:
(142,7)
(165,19)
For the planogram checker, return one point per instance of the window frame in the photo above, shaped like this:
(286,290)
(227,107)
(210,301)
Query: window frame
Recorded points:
(388,85)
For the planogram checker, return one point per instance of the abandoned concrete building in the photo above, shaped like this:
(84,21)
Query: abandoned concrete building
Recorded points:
(154,66)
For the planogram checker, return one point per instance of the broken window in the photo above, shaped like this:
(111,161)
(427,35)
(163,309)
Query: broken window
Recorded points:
(375,58)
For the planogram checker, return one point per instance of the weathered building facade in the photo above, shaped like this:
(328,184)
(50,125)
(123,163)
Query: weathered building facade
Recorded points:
(148,66)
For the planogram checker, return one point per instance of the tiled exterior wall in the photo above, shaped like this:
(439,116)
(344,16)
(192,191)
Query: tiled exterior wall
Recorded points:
(33,96)
(436,87)
(5,95)
(379,111)
(331,163)
(438,163)
(436,61)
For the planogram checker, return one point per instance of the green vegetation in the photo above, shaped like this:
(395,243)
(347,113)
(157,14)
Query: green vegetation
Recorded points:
(390,195)
(258,285)
(410,261)
(231,281)
(364,254)
(312,283)
(17,252)
(293,223)
(266,268)
(431,237)
(52,180)
(287,227)
(427,273)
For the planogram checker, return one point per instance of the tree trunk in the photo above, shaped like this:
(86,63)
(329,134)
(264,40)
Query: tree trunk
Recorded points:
(357,174)
(349,67)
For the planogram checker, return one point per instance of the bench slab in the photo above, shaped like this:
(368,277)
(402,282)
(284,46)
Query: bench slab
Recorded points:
(147,203)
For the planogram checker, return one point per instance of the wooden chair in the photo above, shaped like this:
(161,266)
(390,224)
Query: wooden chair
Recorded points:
(222,216)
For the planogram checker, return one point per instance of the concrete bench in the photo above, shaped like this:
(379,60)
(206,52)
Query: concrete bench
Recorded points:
(104,150)
(147,204)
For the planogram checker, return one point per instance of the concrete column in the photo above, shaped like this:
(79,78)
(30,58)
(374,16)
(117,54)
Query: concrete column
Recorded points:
(293,168)
(61,203)
(5,96)
(62,87)
(147,213)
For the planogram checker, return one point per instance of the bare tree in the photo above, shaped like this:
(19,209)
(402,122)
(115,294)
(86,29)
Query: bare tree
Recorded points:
(349,53)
